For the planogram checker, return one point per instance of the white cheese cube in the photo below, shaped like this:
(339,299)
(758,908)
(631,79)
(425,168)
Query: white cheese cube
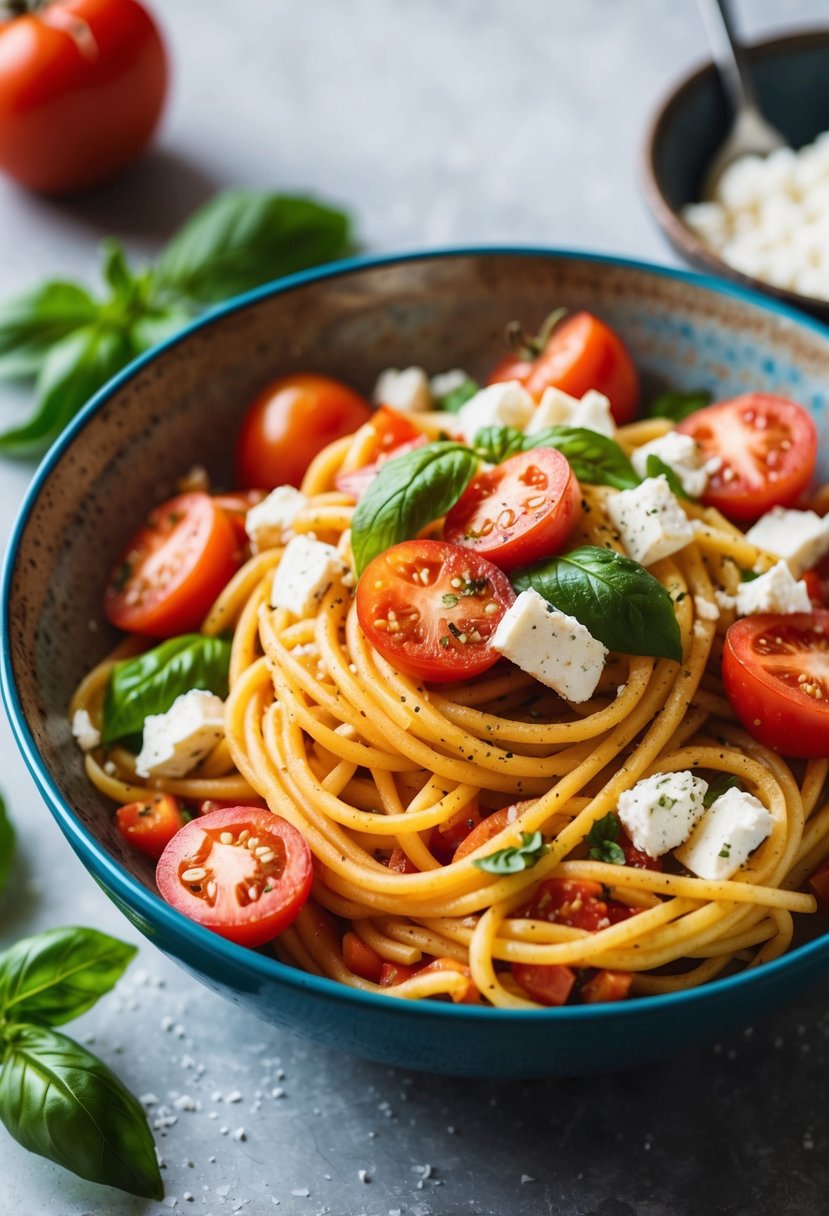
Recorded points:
(731,829)
(306,571)
(660,812)
(176,741)
(650,521)
(506,404)
(87,736)
(407,390)
(445,383)
(592,411)
(680,453)
(270,521)
(800,537)
(775,591)
(552,646)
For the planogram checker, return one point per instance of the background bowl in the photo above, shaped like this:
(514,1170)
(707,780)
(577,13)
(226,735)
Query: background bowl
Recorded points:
(182,404)
(791,75)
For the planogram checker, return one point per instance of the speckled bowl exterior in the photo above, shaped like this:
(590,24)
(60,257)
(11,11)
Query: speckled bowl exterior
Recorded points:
(181,404)
(791,75)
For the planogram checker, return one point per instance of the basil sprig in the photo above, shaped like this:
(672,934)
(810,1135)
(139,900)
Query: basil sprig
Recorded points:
(70,342)
(655,467)
(677,406)
(409,492)
(603,841)
(594,458)
(56,1098)
(719,786)
(516,858)
(151,682)
(6,845)
(614,597)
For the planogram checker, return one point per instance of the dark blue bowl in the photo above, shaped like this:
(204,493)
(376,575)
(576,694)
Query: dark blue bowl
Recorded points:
(181,404)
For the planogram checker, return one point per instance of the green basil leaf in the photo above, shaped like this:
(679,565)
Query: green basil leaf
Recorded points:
(60,1101)
(74,369)
(409,492)
(719,786)
(594,458)
(614,597)
(748,576)
(495,444)
(57,975)
(152,328)
(241,239)
(150,683)
(116,272)
(6,845)
(677,406)
(31,324)
(515,858)
(603,841)
(454,401)
(655,467)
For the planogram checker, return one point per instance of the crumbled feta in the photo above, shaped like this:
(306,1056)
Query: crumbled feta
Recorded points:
(801,538)
(592,411)
(726,602)
(407,390)
(176,741)
(660,812)
(268,523)
(552,646)
(650,521)
(87,736)
(680,453)
(445,383)
(707,610)
(775,591)
(505,404)
(734,825)
(306,571)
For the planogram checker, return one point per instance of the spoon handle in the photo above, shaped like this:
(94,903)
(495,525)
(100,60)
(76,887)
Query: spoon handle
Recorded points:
(729,55)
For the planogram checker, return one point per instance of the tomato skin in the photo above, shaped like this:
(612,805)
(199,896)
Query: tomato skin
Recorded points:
(445,839)
(519,511)
(150,824)
(607,986)
(635,857)
(400,863)
(360,959)
(547,983)
(467,996)
(763,660)
(166,579)
(767,446)
(82,88)
(581,353)
(395,973)
(488,828)
(427,641)
(282,884)
(289,423)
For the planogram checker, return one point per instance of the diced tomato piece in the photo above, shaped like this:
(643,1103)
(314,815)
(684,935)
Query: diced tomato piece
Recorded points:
(635,857)
(395,973)
(446,838)
(488,828)
(607,986)
(565,901)
(470,995)
(547,984)
(361,959)
(400,863)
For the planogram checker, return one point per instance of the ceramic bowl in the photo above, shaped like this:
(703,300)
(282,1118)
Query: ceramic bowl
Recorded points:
(791,75)
(181,404)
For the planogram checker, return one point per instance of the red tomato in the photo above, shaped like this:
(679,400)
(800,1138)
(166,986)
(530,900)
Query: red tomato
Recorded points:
(82,87)
(446,838)
(581,353)
(400,863)
(776,674)
(816,588)
(468,995)
(819,886)
(220,804)
(487,829)
(635,857)
(518,512)
(579,904)
(767,446)
(151,824)
(289,423)
(396,973)
(430,608)
(607,986)
(360,959)
(547,983)
(173,568)
(210,872)
(394,434)
(357,482)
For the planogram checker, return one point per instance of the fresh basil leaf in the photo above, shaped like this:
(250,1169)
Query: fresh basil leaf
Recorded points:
(241,239)
(60,1101)
(454,401)
(152,328)
(594,458)
(116,272)
(74,369)
(495,444)
(150,683)
(614,597)
(748,576)
(719,786)
(515,858)
(409,492)
(602,840)
(57,975)
(655,467)
(677,406)
(6,845)
(31,324)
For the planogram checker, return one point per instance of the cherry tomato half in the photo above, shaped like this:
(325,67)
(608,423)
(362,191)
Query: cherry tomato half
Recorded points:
(430,608)
(150,825)
(581,353)
(519,511)
(767,447)
(289,423)
(487,829)
(82,87)
(173,568)
(215,874)
(776,675)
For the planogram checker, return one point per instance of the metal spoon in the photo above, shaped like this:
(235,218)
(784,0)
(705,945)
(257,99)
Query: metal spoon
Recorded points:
(750,132)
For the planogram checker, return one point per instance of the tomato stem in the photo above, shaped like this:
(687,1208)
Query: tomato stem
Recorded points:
(19,8)
(529,346)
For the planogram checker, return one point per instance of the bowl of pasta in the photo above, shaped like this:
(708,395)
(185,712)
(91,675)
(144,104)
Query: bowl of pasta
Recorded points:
(452,695)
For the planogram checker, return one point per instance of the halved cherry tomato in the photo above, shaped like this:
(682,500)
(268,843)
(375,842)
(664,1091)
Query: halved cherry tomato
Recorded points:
(766,446)
(487,829)
(581,353)
(468,995)
(776,675)
(289,423)
(360,959)
(819,886)
(394,434)
(211,873)
(173,568)
(607,986)
(150,825)
(547,983)
(519,511)
(430,608)
(221,804)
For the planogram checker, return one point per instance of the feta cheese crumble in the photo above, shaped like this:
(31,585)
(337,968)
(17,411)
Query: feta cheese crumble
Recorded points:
(407,390)
(268,523)
(775,591)
(592,411)
(801,538)
(551,646)
(176,741)
(650,521)
(660,812)
(306,571)
(734,825)
(506,404)
(87,736)
(680,453)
